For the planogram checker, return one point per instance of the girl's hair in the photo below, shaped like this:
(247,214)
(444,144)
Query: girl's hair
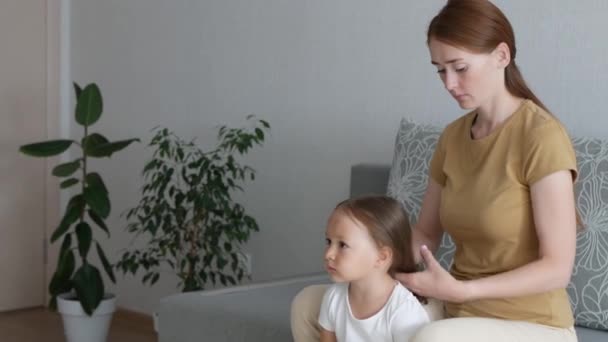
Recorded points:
(479,26)
(388,224)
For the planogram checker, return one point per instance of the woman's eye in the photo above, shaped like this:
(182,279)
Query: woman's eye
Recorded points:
(463,69)
(441,71)
(328,242)
(343,245)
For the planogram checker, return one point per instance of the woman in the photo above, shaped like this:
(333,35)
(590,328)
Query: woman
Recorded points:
(501,184)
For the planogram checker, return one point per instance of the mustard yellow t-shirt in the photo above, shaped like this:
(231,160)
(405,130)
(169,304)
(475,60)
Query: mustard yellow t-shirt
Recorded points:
(487,210)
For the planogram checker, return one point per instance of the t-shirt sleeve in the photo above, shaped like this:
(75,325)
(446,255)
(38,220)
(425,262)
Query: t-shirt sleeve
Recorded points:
(407,320)
(549,150)
(436,166)
(327,317)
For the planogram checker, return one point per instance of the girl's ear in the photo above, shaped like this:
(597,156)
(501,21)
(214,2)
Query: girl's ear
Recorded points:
(385,257)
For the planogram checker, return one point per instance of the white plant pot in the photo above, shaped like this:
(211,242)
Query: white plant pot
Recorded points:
(80,327)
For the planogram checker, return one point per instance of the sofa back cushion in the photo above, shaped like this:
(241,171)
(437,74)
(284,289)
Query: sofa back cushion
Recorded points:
(588,288)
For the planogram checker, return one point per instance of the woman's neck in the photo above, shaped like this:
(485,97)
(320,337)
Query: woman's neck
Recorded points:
(369,295)
(492,114)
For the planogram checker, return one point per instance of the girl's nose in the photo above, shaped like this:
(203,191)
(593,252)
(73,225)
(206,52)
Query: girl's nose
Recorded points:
(329,253)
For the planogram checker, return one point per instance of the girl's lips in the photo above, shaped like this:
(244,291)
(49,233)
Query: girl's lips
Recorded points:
(330,269)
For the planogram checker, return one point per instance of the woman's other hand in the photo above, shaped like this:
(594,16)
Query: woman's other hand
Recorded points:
(434,281)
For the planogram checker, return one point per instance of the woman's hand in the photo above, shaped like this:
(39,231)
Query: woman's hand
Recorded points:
(435,281)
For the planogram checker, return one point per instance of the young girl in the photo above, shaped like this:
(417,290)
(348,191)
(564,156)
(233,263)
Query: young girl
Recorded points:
(368,241)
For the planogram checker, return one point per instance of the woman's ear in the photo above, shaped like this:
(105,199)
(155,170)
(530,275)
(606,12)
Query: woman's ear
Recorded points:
(502,55)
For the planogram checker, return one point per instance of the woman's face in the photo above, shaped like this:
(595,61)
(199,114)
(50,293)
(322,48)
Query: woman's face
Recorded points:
(471,78)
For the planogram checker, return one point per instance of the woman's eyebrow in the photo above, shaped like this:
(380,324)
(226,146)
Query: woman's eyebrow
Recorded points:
(447,62)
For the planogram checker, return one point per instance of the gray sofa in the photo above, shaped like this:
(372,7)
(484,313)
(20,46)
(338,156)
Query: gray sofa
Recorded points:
(260,312)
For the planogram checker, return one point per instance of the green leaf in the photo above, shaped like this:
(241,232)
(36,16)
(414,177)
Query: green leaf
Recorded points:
(89,105)
(72,213)
(89,287)
(46,148)
(266,124)
(147,277)
(93,140)
(99,221)
(77,89)
(68,183)
(149,166)
(65,245)
(66,169)
(98,200)
(154,279)
(105,263)
(60,282)
(221,262)
(107,149)
(85,237)
(259,133)
(95,182)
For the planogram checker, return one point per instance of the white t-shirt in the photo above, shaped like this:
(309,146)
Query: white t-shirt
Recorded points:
(398,320)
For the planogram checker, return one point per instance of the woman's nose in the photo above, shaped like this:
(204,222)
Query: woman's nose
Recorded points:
(449,81)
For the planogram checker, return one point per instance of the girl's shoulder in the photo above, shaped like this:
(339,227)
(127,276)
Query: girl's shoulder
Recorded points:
(336,291)
(403,299)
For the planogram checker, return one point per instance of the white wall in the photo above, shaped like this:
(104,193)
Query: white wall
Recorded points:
(333,78)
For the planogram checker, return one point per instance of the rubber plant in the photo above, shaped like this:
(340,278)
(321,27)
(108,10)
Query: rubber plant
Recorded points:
(187,214)
(89,206)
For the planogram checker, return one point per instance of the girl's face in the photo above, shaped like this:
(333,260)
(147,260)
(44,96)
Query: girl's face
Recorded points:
(473,79)
(351,254)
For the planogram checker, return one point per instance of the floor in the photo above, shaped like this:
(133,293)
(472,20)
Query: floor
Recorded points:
(36,325)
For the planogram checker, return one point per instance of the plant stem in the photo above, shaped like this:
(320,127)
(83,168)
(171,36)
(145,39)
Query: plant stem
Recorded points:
(84,171)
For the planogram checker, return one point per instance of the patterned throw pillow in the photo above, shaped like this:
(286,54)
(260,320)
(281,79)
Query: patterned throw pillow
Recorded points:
(414,147)
(588,288)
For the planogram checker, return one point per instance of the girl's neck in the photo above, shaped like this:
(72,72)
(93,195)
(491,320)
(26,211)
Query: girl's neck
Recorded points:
(369,295)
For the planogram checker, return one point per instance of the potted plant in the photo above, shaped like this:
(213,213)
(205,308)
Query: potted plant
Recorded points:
(77,287)
(187,214)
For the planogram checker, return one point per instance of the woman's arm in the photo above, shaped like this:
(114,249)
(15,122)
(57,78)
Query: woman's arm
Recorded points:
(555,221)
(427,230)
(327,336)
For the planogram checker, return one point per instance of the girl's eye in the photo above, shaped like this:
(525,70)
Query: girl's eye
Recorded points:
(343,245)
(441,71)
(463,69)
(328,242)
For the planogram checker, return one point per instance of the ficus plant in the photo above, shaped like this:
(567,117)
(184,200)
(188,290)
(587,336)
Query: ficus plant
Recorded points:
(187,214)
(87,210)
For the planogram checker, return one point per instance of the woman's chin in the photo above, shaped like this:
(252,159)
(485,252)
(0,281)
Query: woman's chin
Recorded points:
(466,105)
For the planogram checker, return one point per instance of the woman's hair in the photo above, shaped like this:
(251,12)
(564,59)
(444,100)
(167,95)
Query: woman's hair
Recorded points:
(479,26)
(388,224)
